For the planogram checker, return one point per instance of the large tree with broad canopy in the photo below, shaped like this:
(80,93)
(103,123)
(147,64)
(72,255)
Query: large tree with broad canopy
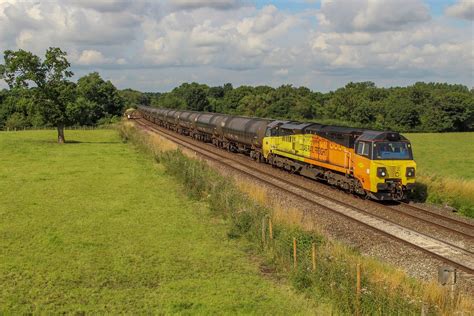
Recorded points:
(53,91)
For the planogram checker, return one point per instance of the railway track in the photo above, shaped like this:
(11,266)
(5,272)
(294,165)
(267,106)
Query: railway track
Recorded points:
(443,250)
(469,227)
(448,224)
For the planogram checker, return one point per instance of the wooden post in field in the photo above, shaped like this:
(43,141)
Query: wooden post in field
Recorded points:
(358,291)
(294,252)
(263,230)
(270,228)
(313,255)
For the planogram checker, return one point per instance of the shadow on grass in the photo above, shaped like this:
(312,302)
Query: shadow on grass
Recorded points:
(72,142)
(420,192)
(80,142)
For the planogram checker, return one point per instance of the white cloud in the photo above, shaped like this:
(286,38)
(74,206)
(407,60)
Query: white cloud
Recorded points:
(158,45)
(431,48)
(103,5)
(464,9)
(281,72)
(372,15)
(215,4)
(91,57)
(185,38)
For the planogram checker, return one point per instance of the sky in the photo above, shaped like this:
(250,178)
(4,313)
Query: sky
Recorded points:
(321,44)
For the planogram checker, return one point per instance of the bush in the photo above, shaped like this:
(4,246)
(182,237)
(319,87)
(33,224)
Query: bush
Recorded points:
(16,121)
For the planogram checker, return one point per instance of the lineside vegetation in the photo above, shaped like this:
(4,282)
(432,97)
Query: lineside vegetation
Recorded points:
(445,169)
(384,290)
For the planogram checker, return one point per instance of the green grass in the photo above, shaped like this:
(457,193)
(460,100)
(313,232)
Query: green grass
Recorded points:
(445,154)
(445,164)
(385,290)
(95,226)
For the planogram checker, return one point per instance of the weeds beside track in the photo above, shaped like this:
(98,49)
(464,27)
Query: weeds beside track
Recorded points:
(383,289)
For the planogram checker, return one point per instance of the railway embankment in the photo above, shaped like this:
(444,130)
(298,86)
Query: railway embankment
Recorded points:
(294,240)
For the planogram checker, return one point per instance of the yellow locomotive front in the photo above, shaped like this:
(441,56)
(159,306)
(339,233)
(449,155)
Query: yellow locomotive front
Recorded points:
(373,163)
(384,164)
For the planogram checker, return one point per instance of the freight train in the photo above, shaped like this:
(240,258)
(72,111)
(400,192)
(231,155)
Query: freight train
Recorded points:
(376,164)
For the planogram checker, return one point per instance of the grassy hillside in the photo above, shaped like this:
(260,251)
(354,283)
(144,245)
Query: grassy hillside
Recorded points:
(94,226)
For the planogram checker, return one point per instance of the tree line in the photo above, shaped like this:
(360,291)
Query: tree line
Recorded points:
(41,94)
(422,107)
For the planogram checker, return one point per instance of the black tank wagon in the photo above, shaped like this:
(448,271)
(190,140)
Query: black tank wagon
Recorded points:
(206,127)
(234,133)
(186,122)
(245,134)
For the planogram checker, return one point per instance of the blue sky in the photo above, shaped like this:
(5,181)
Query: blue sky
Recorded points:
(436,6)
(157,45)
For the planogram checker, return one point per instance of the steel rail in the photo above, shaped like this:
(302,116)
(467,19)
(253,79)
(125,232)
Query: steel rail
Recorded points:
(431,222)
(441,216)
(401,212)
(449,253)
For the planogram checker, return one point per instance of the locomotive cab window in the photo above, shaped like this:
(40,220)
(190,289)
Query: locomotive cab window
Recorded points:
(285,132)
(392,151)
(272,131)
(364,149)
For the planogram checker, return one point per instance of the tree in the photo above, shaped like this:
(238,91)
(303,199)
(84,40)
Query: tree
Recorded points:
(132,98)
(216,92)
(401,113)
(53,92)
(83,111)
(16,121)
(103,93)
(196,98)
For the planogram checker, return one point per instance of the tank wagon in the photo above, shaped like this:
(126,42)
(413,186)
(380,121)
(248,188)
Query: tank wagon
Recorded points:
(377,164)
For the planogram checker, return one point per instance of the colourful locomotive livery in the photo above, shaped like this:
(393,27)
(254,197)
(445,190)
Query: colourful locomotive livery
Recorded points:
(377,164)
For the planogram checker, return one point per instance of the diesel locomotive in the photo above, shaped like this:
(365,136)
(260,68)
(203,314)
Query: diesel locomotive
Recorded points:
(376,164)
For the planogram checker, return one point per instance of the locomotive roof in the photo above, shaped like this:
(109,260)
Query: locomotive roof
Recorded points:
(319,128)
(369,135)
(295,126)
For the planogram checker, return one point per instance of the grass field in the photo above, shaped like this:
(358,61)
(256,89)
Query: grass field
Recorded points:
(446,154)
(94,226)
(445,165)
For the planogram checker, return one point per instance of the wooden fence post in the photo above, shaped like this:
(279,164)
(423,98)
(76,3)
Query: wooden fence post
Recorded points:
(294,253)
(270,227)
(263,230)
(358,291)
(313,255)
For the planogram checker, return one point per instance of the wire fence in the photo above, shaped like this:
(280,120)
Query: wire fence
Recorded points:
(50,128)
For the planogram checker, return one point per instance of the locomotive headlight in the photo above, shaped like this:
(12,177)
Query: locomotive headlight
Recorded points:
(410,172)
(381,172)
